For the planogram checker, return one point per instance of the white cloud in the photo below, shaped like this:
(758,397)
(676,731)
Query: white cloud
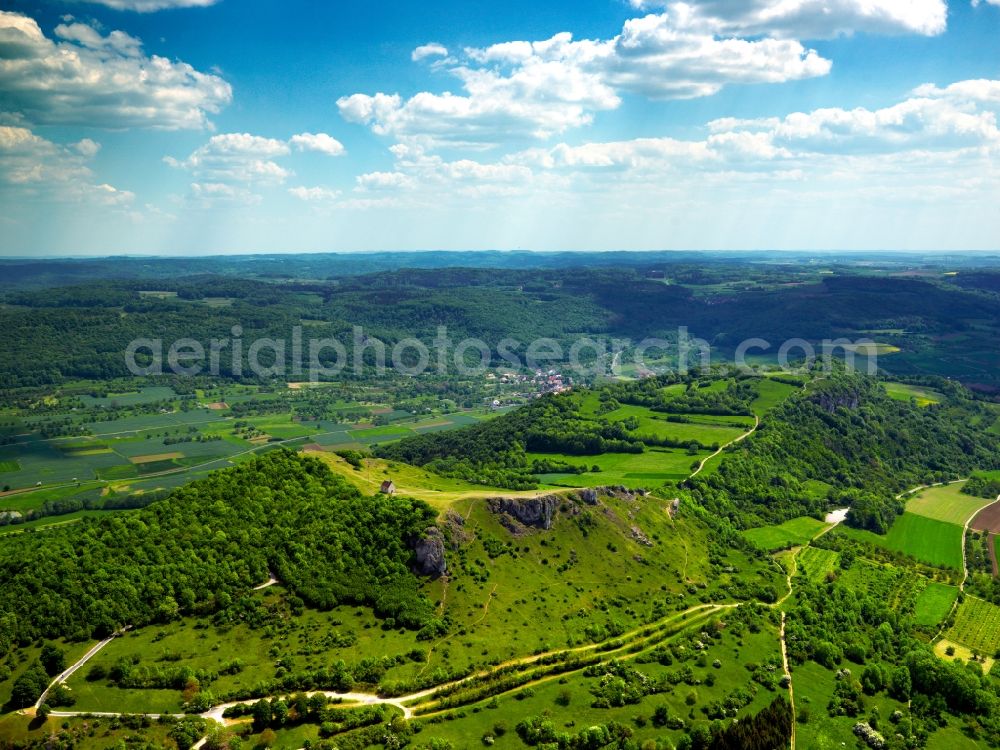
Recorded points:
(207,194)
(99,80)
(149,6)
(942,143)
(232,166)
(520,90)
(917,122)
(236,157)
(979,90)
(429,50)
(976,3)
(384,181)
(655,57)
(314,194)
(807,19)
(34,168)
(320,142)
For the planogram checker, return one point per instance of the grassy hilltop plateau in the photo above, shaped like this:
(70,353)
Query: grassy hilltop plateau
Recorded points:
(633,555)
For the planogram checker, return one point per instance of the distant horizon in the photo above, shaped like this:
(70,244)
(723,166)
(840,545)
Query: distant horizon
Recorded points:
(290,253)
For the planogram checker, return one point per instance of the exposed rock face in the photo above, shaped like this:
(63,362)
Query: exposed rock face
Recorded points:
(531,511)
(430,553)
(589,496)
(831,400)
(10,516)
(455,531)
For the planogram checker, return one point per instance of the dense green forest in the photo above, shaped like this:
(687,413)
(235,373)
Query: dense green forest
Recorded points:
(202,549)
(80,330)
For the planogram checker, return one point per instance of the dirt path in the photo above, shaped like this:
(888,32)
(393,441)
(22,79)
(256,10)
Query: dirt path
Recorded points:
(788,674)
(69,671)
(965,532)
(269,582)
(833,520)
(744,436)
(901,495)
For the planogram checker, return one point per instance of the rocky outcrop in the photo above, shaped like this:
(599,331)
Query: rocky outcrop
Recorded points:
(10,516)
(831,399)
(455,531)
(529,511)
(588,496)
(429,550)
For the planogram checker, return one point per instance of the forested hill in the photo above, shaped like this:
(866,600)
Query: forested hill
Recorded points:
(202,549)
(81,331)
(846,433)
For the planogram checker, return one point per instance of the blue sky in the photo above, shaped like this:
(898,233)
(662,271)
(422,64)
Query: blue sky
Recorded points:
(192,126)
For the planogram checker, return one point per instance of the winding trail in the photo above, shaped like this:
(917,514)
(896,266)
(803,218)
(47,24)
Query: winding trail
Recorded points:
(744,436)
(833,519)
(69,671)
(788,674)
(409,704)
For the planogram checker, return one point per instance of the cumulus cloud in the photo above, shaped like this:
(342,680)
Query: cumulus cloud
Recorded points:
(939,141)
(32,167)
(236,157)
(384,181)
(92,79)
(149,6)
(314,194)
(807,19)
(429,50)
(319,142)
(233,166)
(539,89)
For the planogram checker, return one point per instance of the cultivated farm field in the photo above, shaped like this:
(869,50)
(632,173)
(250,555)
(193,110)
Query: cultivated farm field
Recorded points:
(945,503)
(977,625)
(925,539)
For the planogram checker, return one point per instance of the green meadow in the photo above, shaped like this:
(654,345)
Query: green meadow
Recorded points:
(934,603)
(905,392)
(925,539)
(945,503)
(788,534)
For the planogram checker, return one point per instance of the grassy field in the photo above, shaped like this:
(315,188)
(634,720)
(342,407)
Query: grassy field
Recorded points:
(977,626)
(926,539)
(19,730)
(651,468)
(945,503)
(816,563)
(770,394)
(904,392)
(789,534)
(569,702)
(704,431)
(934,603)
